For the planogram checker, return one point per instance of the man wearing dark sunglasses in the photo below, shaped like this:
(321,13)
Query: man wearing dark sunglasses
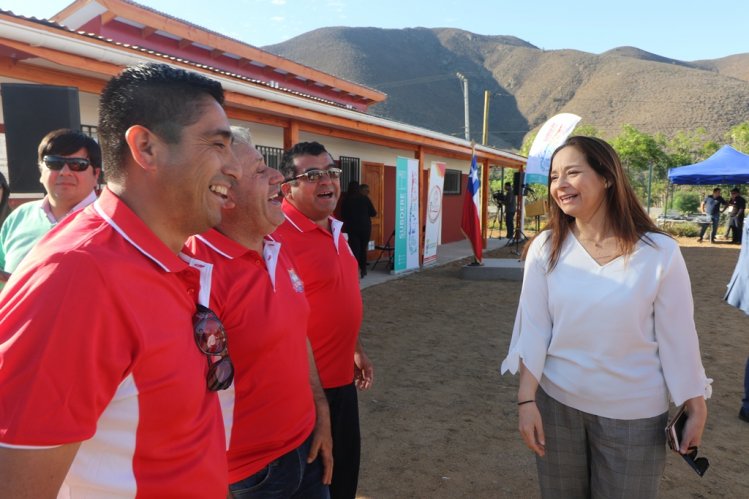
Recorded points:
(70,163)
(331,278)
(103,389)
(279,441)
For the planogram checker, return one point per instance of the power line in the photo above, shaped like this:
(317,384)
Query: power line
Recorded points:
(414,81)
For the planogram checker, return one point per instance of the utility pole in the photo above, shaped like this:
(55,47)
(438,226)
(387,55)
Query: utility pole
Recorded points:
(485,137)
(465,104)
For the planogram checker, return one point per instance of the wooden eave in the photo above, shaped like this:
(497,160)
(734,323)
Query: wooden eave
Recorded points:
(360,131)
(157,21)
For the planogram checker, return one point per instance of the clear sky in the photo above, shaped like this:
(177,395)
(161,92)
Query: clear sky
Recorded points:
(686,30)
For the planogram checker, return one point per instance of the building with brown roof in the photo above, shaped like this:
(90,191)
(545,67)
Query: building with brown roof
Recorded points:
(280,101)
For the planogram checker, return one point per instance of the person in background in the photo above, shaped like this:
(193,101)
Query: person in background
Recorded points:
(510,201)
(329,272)
(711,207)
(357,211)
(69,163)
(737,295)
(103,387)
(4,199)
(744,408)
(604,335)
(736,208)
(278,433)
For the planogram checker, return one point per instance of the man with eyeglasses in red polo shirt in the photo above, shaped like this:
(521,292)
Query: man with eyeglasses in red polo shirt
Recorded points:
(275,413)
(69,163)
(103,389)
(330,274)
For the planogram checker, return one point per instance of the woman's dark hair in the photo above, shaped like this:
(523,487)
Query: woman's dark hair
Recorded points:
(625,215)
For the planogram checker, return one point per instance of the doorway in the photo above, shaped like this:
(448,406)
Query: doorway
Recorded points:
(373,174)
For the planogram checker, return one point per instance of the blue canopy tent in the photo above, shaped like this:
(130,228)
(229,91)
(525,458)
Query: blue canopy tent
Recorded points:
(726,166)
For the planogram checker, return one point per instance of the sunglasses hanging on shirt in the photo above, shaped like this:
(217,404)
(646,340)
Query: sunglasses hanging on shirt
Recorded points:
(210,337)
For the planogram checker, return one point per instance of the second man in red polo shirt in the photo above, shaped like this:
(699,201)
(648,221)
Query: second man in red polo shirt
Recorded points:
(279,442)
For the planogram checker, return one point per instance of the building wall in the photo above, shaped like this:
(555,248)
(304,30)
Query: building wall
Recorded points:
(365,152)
(89,108)
(264,135)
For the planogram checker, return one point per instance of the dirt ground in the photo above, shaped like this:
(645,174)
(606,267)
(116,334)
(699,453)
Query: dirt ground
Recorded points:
(440,422)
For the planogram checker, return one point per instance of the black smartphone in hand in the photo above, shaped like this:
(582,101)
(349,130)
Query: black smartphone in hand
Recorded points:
(674,430)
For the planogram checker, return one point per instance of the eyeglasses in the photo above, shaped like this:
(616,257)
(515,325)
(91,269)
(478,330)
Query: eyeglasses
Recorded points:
(698,464)
(57,163)
(317,175)
(210,337)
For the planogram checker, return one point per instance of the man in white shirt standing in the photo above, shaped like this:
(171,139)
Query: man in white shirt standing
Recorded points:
(69,163)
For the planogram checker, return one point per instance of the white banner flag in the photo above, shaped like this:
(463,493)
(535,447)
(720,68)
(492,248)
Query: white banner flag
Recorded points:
(433,231)
(551,136)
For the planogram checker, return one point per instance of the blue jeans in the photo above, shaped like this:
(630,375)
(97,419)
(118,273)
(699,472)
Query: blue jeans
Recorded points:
(289,476)
(715,219)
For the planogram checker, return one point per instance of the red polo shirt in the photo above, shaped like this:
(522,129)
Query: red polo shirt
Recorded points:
(331,282)
(96,346)
(269,410)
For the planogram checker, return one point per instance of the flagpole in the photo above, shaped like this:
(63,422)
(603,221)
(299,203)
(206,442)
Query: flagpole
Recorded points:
(485,174)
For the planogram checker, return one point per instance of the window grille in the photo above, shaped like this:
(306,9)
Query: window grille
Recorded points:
(272,155)
(350,167)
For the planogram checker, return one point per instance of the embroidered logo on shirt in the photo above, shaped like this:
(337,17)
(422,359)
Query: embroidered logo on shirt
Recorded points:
(296,282)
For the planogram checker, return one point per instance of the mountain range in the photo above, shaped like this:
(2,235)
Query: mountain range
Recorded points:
(417,68)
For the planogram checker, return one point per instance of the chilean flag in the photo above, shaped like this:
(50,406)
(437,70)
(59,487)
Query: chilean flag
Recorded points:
(469,222)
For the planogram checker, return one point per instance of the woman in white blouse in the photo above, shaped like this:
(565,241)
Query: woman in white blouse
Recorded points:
(605,329)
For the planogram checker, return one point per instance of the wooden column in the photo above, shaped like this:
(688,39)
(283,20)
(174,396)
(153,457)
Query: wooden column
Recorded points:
(291,134)
(484,200)
(420,155)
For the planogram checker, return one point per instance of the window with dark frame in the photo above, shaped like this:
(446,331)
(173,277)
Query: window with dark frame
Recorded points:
(452,182)
(272,155)
(350,167)
(91,130)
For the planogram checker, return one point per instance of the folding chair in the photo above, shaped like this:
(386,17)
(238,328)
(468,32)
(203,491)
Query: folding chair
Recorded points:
(388,249)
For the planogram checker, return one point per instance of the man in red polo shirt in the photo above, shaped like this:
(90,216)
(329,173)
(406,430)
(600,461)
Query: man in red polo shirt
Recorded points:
(269,412)
(331,282)
(102,386)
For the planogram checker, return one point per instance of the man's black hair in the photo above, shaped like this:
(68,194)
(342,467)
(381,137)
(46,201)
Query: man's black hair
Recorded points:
(301,149)
(159,97)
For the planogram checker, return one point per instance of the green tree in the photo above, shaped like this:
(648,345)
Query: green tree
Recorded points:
(738,137)
(687,202)
(527,143)
(686,148)
(587,130)
(639,151)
